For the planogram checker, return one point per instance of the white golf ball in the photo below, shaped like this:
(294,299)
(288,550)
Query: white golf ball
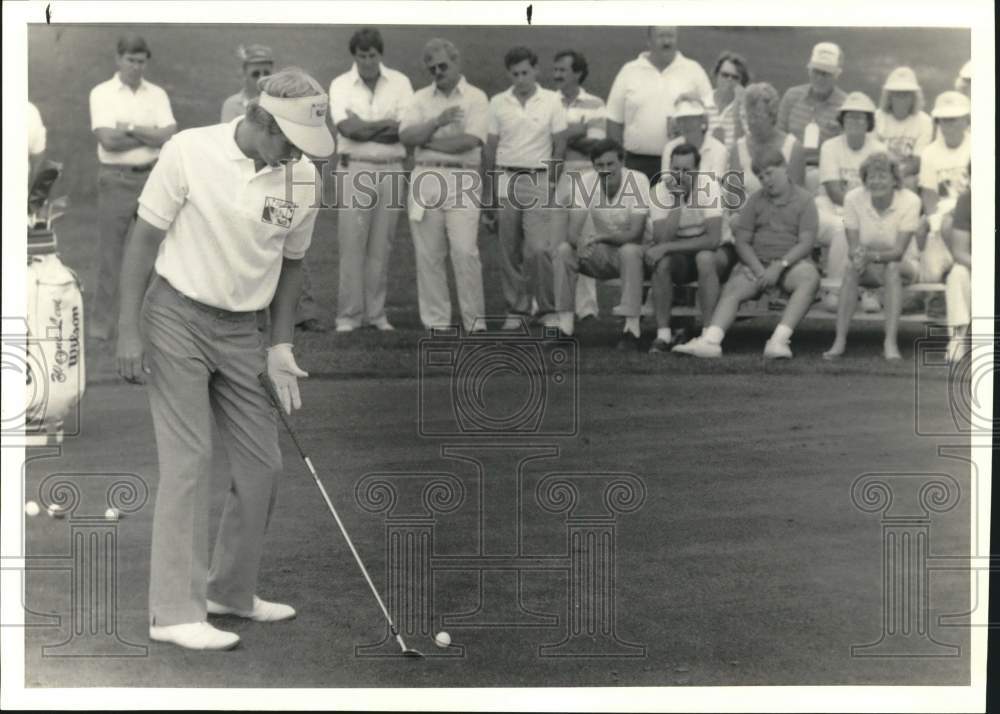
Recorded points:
(442,639)
(55,510)
(31,508)
(112,514)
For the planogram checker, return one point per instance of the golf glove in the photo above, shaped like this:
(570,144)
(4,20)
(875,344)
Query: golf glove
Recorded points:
(284,374)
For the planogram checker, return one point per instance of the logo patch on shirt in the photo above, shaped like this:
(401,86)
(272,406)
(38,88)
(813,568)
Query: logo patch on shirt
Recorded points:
(278,212)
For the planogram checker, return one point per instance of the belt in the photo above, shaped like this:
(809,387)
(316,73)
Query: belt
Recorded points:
(130,167)
(523,170)
(345,159)
(210,309)
(446,164)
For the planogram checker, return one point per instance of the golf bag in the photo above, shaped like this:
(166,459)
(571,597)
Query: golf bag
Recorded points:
(55,371)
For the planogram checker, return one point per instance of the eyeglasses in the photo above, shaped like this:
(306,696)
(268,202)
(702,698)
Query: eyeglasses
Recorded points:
(730,75)
(258,73)
(437,68)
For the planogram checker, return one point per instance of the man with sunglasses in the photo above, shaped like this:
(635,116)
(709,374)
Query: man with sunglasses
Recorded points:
(224,222)
(258,62)
(447,124)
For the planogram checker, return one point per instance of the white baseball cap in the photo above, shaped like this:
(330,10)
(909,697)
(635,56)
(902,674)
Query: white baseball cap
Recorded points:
(902,79)
(826,56)
(302,120)
(951,104)
(857,102)
(688,107)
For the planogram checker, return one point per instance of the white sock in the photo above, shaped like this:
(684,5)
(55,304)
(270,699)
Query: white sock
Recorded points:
(566,322)
(632,325)
(713,334)
(782,333)
(663,333)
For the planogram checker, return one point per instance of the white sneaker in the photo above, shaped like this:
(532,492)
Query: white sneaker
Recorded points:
(263,611)
(343,327)
(870,302)
(194,636)
(956,350)
(699,347)
(551,320)
(512,323)
(777,350)
(383,325)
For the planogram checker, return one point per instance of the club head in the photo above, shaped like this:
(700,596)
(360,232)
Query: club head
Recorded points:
(408,652)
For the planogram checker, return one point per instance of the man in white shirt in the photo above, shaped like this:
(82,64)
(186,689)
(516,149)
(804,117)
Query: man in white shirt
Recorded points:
(36,141)
(840,160)
(447,124)
(366,104)
(131,119)
(643,95)
(606,222)
(521,164)
(222,230)
(586,119)
(690,119)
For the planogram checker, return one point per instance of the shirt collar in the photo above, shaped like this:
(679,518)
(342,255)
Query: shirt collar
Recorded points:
(581,96)
(784,199)
(644,56)
(459,88)
(230,147)
(121,85)
(356,75)
(537,93)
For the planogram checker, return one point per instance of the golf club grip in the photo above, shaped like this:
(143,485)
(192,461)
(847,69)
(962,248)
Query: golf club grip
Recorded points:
(276,403)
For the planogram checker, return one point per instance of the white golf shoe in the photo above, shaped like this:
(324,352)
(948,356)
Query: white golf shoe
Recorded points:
(194,636)
(777,350)
(263,611)
(699,347)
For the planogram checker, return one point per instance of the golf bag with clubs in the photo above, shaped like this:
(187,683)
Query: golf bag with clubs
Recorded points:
(55,372)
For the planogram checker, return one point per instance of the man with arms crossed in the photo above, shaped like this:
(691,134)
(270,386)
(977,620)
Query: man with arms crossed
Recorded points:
(222,238)
(774,236)
(526,145)
(447,123)
(366,104)
(606,222)
(131,119)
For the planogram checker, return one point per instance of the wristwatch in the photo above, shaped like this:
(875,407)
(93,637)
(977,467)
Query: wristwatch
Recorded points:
(785,264)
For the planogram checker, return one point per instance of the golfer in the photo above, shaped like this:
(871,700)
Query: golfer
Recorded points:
(222,231)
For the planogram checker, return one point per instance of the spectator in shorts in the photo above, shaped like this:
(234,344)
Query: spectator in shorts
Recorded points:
(607,219)
(586,119)
(810,111)
(901,124)
(728,123)
(684,240)
(839,172)
(880,218)
(774,236)
(958,285)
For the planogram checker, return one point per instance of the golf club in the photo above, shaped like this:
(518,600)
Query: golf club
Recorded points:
(276,402)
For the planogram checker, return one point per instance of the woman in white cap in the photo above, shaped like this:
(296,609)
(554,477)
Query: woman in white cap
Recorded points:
(224,222)
(901,124)
(880,218)
(839,172)
(944,163)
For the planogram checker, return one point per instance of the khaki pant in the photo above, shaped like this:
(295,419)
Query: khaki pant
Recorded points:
(526,244)
(366,223)
(445,223)
(118,192)
(204,364)
(586,287)
(604,262)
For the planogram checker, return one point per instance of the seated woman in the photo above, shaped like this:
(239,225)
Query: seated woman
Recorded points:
(761,113)
(880,218)
(902,125)
(731,75)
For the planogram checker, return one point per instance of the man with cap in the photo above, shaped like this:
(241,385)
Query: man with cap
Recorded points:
(131,118)
(224,222)
(901,124)
(447,124)
(839,172)
(586,123)
(643,96)
(258,61)
(690,120)
(809,111)
(366,104)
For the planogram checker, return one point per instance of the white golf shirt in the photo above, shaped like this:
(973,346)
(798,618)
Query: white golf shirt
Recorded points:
(610,214)
(946,171)
(904,138)
(113,103)
(839,162)
(525,131)
(879,230)
(642,98)
(430,101)
(228,226)
(392,94)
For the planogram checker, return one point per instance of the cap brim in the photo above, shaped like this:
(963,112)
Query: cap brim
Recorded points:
(901,88)
(311,140)
(949,114)
(824,67)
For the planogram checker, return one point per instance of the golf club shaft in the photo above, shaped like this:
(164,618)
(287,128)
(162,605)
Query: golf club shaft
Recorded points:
(276,402)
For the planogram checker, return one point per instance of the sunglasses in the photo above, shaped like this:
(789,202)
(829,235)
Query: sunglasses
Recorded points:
(730,75)
(258,73)
(438,68)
